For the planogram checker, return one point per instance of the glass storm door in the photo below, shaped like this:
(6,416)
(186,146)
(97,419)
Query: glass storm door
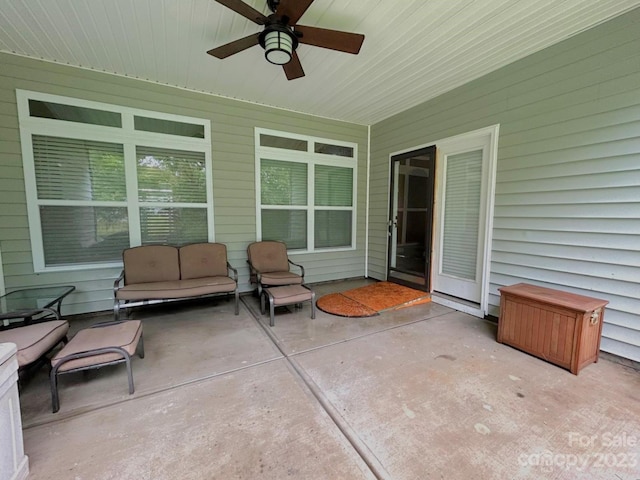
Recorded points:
(411,217)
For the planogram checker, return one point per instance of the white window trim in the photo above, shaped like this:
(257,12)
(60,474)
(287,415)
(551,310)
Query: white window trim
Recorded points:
(128,137)
(311,159)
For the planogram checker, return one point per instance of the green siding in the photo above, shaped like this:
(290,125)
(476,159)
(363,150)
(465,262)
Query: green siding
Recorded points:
(232,124)
(568,173)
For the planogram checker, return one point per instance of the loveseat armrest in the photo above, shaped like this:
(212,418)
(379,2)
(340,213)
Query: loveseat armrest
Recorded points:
(300,267)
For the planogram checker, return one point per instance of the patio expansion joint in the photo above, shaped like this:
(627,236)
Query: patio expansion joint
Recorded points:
(361,448)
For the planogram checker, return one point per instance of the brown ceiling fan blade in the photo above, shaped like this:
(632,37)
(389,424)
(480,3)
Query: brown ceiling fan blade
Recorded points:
(245,10)
(332,39)
(231,48)
(293,9)
(293,69)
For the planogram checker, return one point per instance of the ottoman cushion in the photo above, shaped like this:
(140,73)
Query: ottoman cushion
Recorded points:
(125,335)
(289,294)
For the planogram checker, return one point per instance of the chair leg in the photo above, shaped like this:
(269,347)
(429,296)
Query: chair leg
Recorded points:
(262,300)
(313,304)
(53,379)
(272,319)
(141,346)
(237,302)
(127,360)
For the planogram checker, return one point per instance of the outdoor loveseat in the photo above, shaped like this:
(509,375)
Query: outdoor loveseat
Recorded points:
(163,273)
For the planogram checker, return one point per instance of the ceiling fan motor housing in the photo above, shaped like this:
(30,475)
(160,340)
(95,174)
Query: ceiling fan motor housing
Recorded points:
(273,5)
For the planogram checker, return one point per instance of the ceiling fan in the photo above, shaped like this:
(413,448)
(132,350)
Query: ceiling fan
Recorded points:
(282,34)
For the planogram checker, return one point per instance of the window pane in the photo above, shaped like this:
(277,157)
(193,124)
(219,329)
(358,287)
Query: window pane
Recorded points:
(329,149)
(288,226)
(174,226)
(334,186)
(282,142)
(283,183)
(81,235)
(169,127)
(58,111)
(333,228)
(171,175)
(70,169)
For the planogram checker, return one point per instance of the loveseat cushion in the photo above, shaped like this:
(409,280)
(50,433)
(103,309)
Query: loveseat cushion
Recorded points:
(176,289)
(151,263)
(200,260)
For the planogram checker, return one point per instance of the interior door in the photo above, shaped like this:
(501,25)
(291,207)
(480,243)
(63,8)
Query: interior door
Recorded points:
(411,217)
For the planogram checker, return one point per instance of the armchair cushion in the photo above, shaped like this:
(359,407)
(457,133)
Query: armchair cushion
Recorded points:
(268,256)
(281,278)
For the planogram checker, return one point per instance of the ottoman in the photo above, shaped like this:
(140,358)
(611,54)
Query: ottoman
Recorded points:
(36,340)
(287,295)
(103,344)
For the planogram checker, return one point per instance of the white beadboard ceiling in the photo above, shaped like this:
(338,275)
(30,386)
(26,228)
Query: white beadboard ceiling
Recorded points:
(414,49)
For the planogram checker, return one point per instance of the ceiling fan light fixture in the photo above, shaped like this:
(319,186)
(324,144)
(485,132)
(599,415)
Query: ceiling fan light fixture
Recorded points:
(278,47)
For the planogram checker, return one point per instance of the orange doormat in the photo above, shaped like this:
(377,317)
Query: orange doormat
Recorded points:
(371,300)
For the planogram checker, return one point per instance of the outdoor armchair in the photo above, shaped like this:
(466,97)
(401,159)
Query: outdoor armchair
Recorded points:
(269,265)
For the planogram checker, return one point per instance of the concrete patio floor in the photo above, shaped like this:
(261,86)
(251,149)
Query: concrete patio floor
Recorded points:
(419,393)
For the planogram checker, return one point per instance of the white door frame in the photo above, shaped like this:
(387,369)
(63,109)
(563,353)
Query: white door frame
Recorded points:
(492,133)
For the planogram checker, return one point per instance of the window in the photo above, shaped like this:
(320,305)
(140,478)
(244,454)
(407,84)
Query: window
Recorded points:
(306,191)
(101,178)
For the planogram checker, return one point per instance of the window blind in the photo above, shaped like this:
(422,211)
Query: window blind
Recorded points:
(283,183)
(288,226)
(85,171)
(462,214)
(71,169)
(171,175)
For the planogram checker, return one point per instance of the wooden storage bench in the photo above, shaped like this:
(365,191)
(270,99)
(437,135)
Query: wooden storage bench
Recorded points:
(560,327)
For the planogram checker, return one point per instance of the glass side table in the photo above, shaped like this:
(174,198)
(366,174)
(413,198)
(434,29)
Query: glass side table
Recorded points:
(29,302)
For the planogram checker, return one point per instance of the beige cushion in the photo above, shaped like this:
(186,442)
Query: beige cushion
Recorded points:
(125,335)
(177,289)
(35,340)
(289,294)
(268,256)
(280,278)
(151,263)
(203,260)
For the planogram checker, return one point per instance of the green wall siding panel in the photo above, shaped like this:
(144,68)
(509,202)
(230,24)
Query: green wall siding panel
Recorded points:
(568,173)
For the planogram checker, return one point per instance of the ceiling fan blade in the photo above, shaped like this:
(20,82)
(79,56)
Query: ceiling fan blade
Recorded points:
(293,9)
(231,48)
(332,39)
(245,10)
(293,69)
